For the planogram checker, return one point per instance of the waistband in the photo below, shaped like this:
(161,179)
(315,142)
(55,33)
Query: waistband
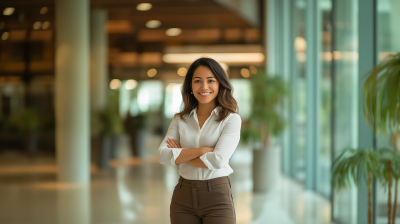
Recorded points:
(204,183)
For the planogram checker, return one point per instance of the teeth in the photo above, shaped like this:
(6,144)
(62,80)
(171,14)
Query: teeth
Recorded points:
(204,94)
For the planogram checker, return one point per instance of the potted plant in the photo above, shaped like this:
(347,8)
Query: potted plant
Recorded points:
(381,108)
(26,125)
(352,163)
(381,98)
(266,122)
(389,172)
(135,127)
(107,125)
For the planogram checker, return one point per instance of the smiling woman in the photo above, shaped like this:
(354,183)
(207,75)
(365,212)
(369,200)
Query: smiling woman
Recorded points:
(201,139)
(204,76)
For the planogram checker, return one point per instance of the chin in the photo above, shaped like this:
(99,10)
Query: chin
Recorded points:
(205,101)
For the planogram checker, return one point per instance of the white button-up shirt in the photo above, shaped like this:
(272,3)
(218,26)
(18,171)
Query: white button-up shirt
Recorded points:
(222,135)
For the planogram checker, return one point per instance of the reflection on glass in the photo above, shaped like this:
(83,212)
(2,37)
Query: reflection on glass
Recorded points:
(346,99)
(325,91)
(299,65)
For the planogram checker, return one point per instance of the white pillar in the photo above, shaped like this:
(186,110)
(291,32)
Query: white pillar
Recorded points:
(98,60)
(72,90)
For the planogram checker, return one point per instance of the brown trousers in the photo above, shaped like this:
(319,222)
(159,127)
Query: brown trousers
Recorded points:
(203,201)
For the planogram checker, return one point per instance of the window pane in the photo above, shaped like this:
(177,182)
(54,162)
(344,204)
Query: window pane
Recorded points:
(325,91)
(388,36)
(299,72)
(346,98)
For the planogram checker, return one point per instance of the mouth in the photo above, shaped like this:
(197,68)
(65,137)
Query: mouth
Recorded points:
(205,94)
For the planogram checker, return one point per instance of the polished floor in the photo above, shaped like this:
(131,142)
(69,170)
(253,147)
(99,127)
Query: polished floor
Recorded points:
(138,191)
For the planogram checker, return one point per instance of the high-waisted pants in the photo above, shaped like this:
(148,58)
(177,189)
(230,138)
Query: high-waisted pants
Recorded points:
(203,201)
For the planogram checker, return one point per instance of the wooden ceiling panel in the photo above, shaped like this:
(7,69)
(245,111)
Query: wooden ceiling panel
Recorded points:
(172,13)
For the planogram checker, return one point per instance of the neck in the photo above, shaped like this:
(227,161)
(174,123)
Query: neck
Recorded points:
(206,109)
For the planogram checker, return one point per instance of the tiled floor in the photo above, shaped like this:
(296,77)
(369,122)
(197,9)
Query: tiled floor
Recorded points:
(138,191)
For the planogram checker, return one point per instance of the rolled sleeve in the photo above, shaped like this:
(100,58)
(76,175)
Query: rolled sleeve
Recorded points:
(175,154)
(226,144)
(167,156)
(208,163)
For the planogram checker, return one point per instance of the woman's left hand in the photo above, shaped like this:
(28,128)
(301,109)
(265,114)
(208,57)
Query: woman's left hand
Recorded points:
(172,143)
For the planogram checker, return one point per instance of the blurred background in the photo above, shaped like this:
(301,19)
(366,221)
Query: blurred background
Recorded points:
(88,89)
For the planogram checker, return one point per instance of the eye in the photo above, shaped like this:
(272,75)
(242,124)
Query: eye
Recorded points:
(212,81)
(196,80)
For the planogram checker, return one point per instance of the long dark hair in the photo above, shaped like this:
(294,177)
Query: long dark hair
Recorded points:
(224,98)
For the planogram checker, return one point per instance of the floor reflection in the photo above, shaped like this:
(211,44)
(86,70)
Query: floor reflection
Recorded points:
(73,205)
(139,191)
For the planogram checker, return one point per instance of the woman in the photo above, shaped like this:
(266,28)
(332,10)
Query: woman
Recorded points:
(201,139)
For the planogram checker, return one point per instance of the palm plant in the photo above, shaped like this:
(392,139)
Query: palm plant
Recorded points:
(389,171)
(381,96)
(268,95)
(396,176)
(352,163)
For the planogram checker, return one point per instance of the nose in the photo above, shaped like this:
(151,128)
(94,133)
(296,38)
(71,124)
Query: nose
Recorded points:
(204,85)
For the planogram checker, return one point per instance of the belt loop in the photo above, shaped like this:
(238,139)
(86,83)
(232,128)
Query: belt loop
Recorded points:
(229,182)
(180,182)
(209,185)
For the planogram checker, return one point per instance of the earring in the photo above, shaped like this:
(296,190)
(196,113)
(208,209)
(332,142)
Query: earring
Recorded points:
(191,92)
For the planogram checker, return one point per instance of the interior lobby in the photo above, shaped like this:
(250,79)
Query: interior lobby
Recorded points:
(88,89)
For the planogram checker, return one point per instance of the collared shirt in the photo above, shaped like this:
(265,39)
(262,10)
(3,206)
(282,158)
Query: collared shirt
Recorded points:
(222,135)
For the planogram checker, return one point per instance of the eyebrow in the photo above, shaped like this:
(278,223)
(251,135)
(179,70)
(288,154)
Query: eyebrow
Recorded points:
(206,78)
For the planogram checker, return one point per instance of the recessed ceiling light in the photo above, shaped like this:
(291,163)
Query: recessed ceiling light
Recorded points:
(144,6)
(253,69)
(115,84)
(37,25)
(5,35)
(245,72)
(44,10)
(173,32)
(182,71)
(300,44)
(153,24)
(8,11)
(46,25)
(152,72)
(130,84)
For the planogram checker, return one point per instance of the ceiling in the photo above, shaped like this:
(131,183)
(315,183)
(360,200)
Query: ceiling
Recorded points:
(203,22)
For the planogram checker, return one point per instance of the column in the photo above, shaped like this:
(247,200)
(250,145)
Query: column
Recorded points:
(98,60)
(72,90)
(366,60)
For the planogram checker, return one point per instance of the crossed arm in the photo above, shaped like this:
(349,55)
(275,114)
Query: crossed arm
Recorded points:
(170,151)
(186,156)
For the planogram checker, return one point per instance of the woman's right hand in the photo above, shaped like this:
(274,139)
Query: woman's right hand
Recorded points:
(207,149)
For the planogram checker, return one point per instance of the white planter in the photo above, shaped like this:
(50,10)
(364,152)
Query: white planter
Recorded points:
(266,168)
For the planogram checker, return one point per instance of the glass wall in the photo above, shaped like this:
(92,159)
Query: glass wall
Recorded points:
(345,56)
(388,36)
(325,91)
(299,18)
(337,124)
